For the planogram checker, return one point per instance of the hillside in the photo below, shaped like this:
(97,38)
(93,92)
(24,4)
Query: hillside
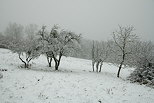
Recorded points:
(73,83)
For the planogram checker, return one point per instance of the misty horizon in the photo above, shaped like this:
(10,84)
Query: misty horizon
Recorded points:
(94,19)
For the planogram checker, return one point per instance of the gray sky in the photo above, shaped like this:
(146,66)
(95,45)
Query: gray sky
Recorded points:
(95,19)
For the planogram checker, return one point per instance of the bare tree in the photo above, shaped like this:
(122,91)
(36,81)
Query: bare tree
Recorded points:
(123,39)
(95,55)
(104,53)
(100,53)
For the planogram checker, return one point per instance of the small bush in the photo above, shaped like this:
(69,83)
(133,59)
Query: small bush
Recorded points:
(143,76)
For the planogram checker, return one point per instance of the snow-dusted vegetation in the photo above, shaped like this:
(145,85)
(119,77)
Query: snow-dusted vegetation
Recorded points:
(58,66)
(76,51)
(41,65)
(143,76)
(73,83)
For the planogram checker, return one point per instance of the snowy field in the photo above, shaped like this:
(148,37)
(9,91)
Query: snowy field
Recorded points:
(73,83)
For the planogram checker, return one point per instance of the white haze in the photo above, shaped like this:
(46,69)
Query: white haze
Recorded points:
(95,19)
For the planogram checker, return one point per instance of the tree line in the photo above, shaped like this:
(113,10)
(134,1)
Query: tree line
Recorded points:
(123,49)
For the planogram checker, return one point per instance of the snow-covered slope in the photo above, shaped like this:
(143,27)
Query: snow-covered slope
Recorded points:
(73,83)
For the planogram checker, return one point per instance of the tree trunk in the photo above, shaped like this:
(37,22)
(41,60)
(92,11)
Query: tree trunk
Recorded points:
(93,63)
(49,59)
(101,66)
(97,65)
(120,66)
(119,70)
(28,60)
(26,66)
(93,56)
(57,62)
(56,66)
(123,59)
(59,59)
(50,64)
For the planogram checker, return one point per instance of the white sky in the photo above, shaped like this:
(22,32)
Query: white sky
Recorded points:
(95,19)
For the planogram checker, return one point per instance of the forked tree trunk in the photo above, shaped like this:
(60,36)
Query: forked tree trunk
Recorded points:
(57,62)
(25,64)
(28,60)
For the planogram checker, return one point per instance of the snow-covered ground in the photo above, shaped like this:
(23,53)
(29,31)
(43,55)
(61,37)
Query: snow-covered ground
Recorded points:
(73,83)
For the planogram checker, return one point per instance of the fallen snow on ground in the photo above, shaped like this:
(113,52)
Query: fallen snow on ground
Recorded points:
(73,83)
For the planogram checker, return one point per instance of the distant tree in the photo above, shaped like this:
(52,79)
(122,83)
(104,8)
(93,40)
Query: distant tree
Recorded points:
(106,50)
(86,46)
(14,31)
(13,34)
(100,53)
(31,31)
(123,39)
(142,54)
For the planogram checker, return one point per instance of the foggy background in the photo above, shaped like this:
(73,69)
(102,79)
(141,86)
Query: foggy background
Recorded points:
(94,19)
